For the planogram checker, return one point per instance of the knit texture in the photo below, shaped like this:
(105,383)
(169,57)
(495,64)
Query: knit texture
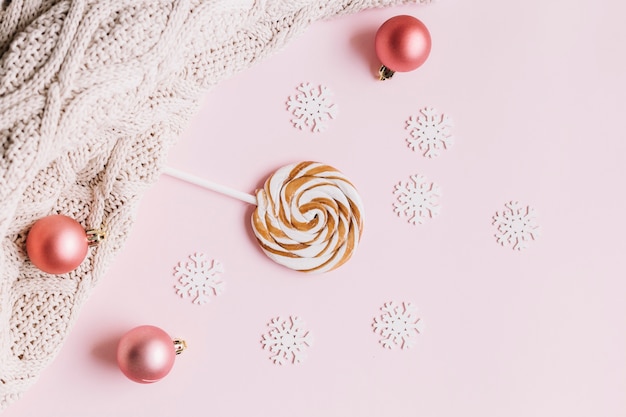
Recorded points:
(93,93)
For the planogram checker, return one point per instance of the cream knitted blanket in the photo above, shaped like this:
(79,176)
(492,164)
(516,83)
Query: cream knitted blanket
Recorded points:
(93,93)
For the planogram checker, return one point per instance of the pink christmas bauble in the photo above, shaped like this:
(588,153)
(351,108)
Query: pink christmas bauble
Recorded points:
(57,244)
(403,43)
(146,354)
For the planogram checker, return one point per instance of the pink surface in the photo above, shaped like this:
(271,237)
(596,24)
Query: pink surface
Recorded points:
(536,90)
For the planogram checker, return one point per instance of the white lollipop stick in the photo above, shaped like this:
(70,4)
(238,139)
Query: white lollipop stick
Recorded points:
(201,182)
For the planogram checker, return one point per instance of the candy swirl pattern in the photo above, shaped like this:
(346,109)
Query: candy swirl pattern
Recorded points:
(308,217)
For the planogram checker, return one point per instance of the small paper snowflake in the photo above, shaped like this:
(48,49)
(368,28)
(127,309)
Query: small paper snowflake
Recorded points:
(516,225)
(398,325)
(287,340)
(430,132)
(199,278)
(418,199)
(312,107)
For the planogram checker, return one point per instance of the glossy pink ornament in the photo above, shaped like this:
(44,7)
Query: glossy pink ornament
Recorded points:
(402,44)
(57,244)
(146,354)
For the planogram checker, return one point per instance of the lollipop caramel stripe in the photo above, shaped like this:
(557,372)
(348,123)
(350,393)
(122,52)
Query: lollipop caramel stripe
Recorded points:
(308,215)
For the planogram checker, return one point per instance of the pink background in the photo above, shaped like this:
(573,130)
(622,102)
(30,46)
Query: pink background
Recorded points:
(536,90)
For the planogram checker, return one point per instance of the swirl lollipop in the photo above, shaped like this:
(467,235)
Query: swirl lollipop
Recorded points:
(308,215)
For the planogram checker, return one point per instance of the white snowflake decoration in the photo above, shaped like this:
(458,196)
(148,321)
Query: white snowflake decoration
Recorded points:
(398,325)
(312,107)
(418,199)
(287,340)
(516,225)
(199,278)
(430,132)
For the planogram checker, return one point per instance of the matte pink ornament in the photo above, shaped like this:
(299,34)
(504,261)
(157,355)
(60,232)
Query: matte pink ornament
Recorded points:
(57,244)
(403,44)
(146,353)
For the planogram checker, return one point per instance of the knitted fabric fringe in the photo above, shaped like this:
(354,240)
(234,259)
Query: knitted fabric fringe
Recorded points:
(93,94)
